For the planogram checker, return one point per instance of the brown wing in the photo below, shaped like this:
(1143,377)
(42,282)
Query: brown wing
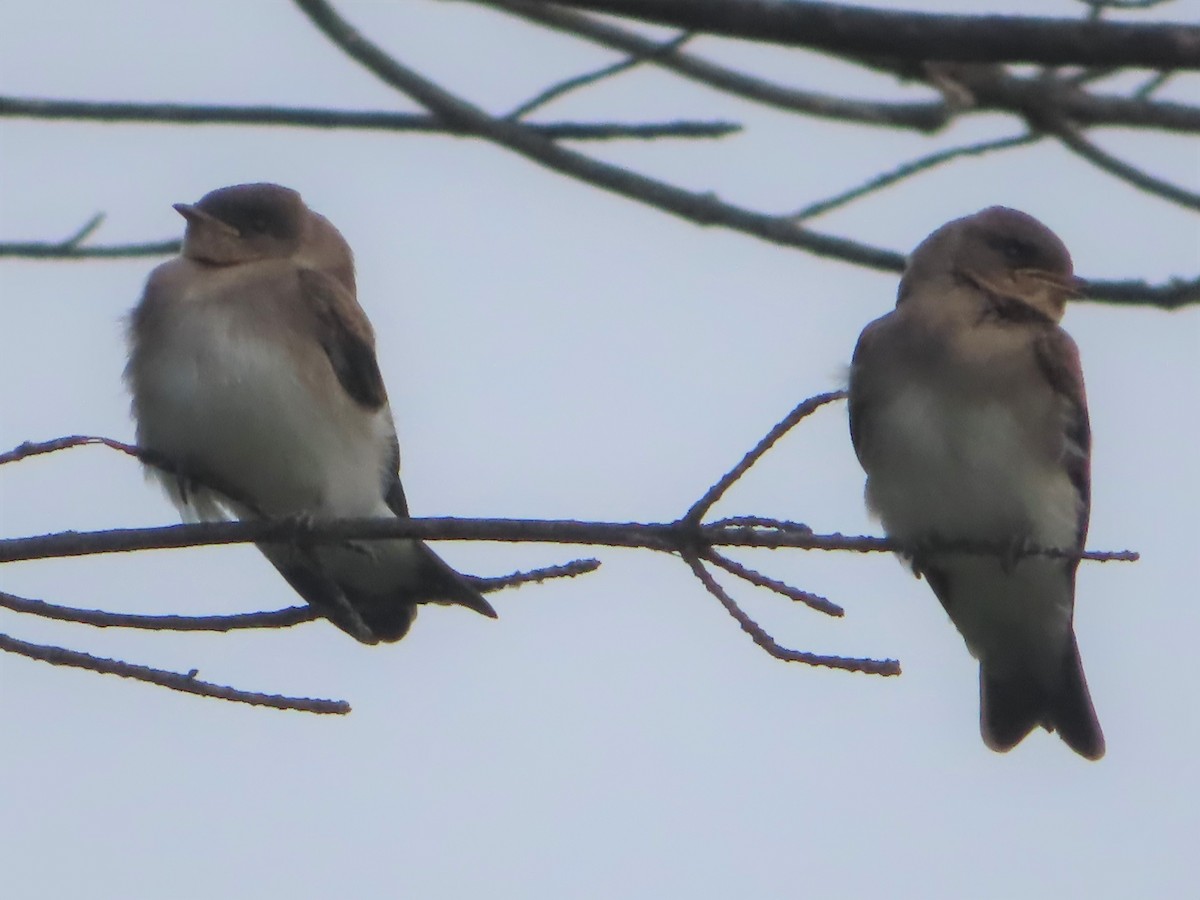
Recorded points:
(1058,358)
(346,337)
(862,372)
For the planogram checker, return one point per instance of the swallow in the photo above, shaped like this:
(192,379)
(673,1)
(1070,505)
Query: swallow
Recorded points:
(969,417)
(253,374)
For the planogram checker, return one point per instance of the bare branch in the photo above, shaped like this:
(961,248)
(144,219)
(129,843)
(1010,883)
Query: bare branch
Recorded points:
(1074,140)
(36,448)
(909,169)
(1153,84)
(714,493)
(62,250)
(809,599)
(1099,5)
(700,208)
(768,643)
(859,31)
(570,569)
(922,116)
(556,91)
(176,681)
(663,536)
(306,117)
(704,209)
(279,618)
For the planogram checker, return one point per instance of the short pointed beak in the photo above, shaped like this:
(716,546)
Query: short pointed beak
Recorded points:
(1071,285)
(196,216)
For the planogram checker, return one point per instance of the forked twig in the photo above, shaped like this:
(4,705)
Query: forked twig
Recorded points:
(811,600)
(768,643)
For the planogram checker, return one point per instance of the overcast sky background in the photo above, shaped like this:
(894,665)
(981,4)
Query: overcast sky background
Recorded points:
(554,351)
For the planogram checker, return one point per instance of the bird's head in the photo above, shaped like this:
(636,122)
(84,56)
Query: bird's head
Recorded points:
(1007,254)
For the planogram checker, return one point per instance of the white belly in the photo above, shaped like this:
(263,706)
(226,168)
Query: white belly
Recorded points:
(229,403)
(953,470)
(959,470)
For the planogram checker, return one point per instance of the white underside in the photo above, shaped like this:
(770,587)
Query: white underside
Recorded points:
(226,402)
(959,470)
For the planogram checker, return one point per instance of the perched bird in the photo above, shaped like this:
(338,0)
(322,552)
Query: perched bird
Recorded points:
(968,414)
(253,374)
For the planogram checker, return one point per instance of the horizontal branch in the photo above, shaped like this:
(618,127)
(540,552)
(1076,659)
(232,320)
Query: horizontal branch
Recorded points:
(1009,94)
(308,117)
(702,208)
(176,681)
(100,618)
(859,31)
(926,116)
(675,537)
(63,250)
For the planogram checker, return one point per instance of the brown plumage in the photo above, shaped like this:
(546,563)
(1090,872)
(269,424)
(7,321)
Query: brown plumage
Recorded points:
(252,368)
(968,414)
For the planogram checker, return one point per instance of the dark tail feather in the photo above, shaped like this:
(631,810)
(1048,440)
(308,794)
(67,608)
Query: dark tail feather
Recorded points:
(1071,709)
(448,586)
(373,617)
(1012,704)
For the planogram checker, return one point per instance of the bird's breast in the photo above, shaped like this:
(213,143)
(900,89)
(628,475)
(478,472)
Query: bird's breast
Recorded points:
(223,392)
(966,467)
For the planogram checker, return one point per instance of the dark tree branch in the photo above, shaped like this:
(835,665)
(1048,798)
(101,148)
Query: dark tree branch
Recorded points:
(908,170)
(554,92)
(927,116)
(66,250)
(1074,140)
(703,209)
(768,643)
(176,681)
(98,618)
(714,493)
(278,618)
(304,117)
(859,31)
(758,579)
(663,536)
(922,116)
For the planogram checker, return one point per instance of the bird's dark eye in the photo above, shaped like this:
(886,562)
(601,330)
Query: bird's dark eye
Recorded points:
(1015,250)
(258,224)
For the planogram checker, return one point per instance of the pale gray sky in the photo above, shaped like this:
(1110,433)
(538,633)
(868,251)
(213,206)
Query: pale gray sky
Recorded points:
(552,351)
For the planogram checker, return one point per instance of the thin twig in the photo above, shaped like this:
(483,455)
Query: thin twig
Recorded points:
(1123,4)
(176,681)
(760,522)
(62,251)
(714,493)
(924,116)
(556,91)
(699,207)
(191,114)
(862,31)
(809,599)
(98,618)
(1075,140)
(909,169)
(36,448)
(1153,84)
(570,569)
(85,231)
(768,643)
(278,618)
